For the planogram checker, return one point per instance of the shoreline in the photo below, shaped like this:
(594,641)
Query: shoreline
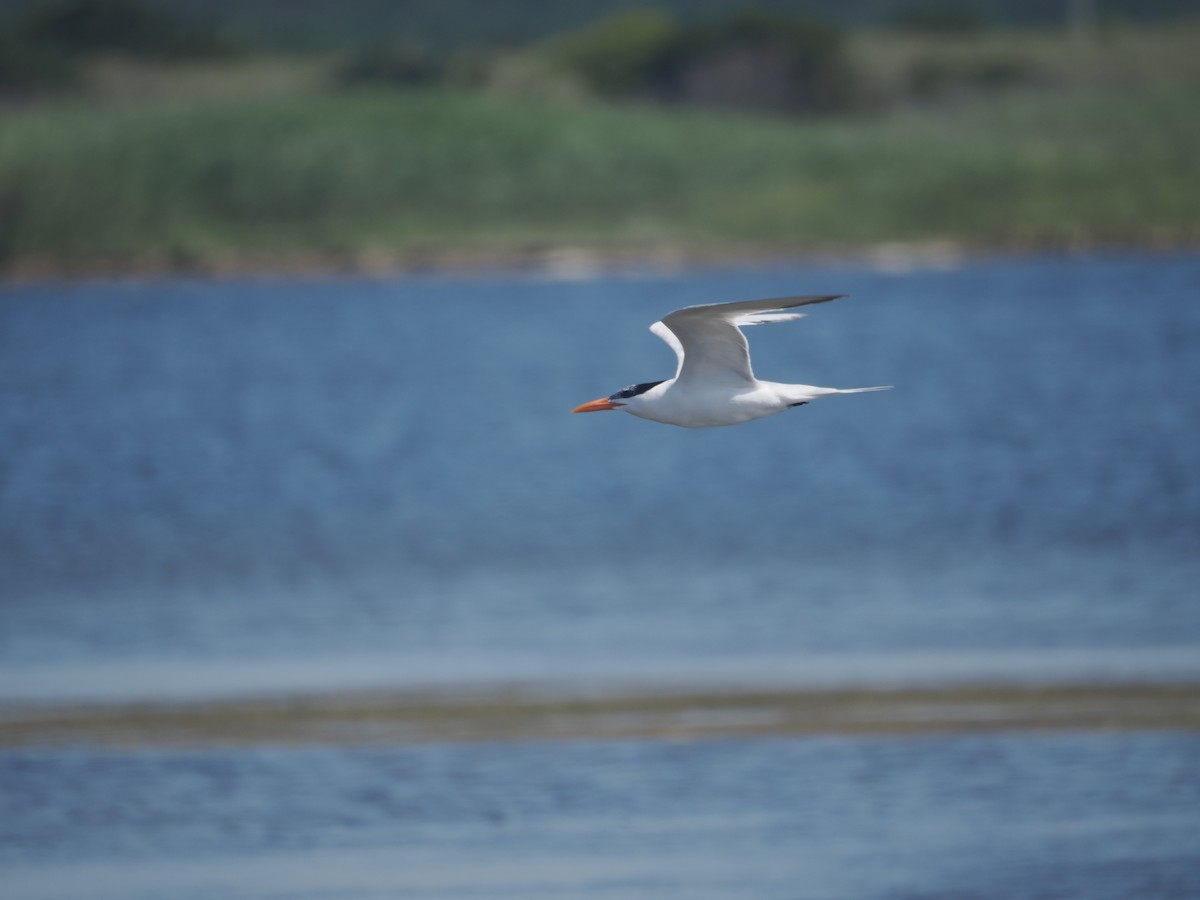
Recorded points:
(363,718)
(570,261)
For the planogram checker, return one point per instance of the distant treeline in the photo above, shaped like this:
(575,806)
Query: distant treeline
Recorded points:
(751,60)
(775,56)
(748,60)
(454,24)
(46,43)
(765,60)
(457,23)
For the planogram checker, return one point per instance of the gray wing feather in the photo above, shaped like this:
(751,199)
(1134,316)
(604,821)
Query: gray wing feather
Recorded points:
(709,343)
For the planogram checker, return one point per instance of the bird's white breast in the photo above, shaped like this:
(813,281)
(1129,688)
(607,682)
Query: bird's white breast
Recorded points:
(707,407)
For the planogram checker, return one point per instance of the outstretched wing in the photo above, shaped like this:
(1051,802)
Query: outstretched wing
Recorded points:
(707,339)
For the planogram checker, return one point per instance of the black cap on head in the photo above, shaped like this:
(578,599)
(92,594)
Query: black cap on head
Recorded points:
(633,390)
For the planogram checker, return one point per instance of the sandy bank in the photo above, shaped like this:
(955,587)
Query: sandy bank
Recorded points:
(511,714)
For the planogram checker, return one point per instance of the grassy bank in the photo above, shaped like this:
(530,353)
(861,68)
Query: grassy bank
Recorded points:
(386,177)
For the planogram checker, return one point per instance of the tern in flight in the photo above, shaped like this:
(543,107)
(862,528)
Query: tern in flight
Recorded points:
(713,384)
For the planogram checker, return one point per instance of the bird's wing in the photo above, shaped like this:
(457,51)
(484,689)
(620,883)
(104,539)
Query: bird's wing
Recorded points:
(708,342)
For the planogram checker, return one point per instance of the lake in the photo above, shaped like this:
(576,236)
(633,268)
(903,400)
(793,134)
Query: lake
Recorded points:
(231,486)
(1014,817)
(267,487)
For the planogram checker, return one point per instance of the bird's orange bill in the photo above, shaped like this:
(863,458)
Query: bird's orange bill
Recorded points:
(597,406)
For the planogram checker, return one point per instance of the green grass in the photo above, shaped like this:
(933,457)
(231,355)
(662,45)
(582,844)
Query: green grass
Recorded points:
(230,181)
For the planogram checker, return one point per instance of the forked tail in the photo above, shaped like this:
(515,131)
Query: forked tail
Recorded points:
(881,387)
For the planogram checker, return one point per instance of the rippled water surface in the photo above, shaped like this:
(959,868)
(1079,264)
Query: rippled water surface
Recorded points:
(1102,817)
(227,485)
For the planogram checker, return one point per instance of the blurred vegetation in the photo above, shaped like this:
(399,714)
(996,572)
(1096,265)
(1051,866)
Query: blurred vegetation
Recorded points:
(450,25)
(749,60)
(617,55)
(957,17)
(133,27)
(384,177)
(47,46)
(135,136)
(392,65)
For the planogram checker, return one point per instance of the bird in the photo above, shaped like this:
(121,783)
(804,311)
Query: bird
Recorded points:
(714,384)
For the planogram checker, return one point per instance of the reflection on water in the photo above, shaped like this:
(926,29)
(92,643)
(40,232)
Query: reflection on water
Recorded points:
(1106,817)
(226,473)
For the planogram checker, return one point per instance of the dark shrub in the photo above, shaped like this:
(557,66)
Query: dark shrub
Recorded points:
(750,60)
(388,64)
(615,55)
(132,27)
(935,76)
(955,17)
(26,70)
(756,61)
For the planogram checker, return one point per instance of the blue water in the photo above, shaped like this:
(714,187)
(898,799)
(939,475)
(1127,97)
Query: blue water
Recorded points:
(1019,817)
(243,487)
(212,486)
